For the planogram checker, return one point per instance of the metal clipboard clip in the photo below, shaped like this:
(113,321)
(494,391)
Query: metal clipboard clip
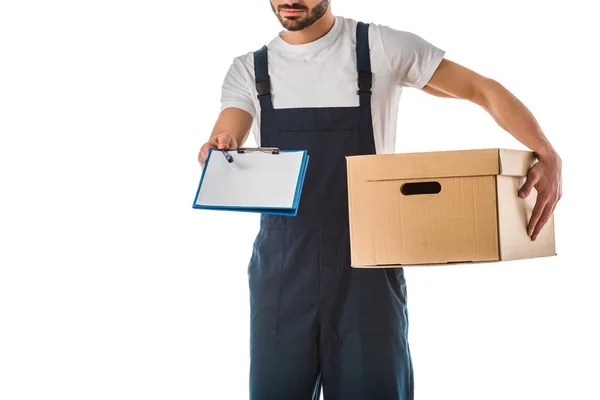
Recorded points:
(272,150)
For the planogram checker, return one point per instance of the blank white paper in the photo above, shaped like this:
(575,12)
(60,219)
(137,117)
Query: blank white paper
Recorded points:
(253,179)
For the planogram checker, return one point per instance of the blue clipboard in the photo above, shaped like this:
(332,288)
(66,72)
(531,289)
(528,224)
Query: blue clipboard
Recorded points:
(253,182)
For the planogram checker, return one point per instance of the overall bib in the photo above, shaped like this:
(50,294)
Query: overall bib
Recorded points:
(316,321)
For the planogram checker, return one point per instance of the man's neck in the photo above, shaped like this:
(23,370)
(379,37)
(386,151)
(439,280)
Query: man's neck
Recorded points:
(312,33)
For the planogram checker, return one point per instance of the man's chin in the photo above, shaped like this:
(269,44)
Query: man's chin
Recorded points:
(292,25)
(293,28)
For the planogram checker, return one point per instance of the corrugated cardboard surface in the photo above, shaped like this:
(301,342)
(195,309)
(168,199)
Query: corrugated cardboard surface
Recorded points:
(443,164)
(513,215)
(515,162)
(457,224)
(475,216)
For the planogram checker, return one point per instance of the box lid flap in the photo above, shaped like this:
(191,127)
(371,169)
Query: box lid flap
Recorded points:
(439,164)
(515,162)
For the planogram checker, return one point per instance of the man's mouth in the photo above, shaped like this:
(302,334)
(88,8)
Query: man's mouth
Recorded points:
(291,12)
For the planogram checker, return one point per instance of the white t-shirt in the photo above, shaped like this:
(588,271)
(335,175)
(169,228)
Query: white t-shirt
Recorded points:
(323,74)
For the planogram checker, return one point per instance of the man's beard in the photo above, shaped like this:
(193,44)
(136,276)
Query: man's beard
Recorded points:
(299,23)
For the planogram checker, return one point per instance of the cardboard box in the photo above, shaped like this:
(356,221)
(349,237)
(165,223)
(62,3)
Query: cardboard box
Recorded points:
(442,207)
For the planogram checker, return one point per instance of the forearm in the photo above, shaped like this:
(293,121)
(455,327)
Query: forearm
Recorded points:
(514,117)
(235,122)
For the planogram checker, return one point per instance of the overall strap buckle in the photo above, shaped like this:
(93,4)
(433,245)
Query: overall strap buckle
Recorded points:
(263,87)
(365,82)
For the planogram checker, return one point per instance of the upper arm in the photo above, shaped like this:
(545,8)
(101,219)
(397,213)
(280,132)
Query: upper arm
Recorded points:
(412,59)
(435,92)
(237,101)
(458,81)
(417,63)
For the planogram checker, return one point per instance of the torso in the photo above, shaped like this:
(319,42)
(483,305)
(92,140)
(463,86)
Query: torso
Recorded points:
(323,74)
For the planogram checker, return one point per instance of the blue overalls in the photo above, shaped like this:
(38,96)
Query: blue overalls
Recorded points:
(316,321)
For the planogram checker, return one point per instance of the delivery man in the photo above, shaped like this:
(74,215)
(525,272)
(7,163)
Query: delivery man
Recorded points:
(331,86)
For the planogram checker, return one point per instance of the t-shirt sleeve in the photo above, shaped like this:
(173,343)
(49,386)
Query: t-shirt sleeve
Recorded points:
(236,89)
(412,59)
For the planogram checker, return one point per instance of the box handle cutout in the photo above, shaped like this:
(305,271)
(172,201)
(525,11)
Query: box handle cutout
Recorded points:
(410,189)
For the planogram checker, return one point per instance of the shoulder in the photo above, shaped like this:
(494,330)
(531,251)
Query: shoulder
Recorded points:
(378,33)
(243,60)
(348,27)
(396,43)
(241,67)
(383,34)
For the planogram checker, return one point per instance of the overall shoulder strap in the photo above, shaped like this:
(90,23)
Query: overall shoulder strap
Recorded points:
(363,63)
(261,76)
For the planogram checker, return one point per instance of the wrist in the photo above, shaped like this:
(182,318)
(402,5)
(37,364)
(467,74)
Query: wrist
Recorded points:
(547,153)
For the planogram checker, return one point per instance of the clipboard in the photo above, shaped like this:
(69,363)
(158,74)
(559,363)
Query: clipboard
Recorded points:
(263,180)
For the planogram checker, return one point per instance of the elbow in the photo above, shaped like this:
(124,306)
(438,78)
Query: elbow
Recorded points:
(485,91)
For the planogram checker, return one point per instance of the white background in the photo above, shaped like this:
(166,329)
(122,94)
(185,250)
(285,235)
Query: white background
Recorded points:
(113,287)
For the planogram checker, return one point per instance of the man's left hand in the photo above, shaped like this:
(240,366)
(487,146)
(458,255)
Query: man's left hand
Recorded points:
(545,177)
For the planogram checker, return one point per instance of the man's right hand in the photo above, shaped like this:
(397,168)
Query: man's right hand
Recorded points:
(222,141)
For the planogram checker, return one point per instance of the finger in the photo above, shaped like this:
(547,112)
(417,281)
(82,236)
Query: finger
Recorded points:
(203,155)
(528,185)
(540,204)
(204,152)
(548,210)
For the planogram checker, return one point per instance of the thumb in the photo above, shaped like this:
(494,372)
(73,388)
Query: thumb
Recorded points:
(223,141)
(527,186)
